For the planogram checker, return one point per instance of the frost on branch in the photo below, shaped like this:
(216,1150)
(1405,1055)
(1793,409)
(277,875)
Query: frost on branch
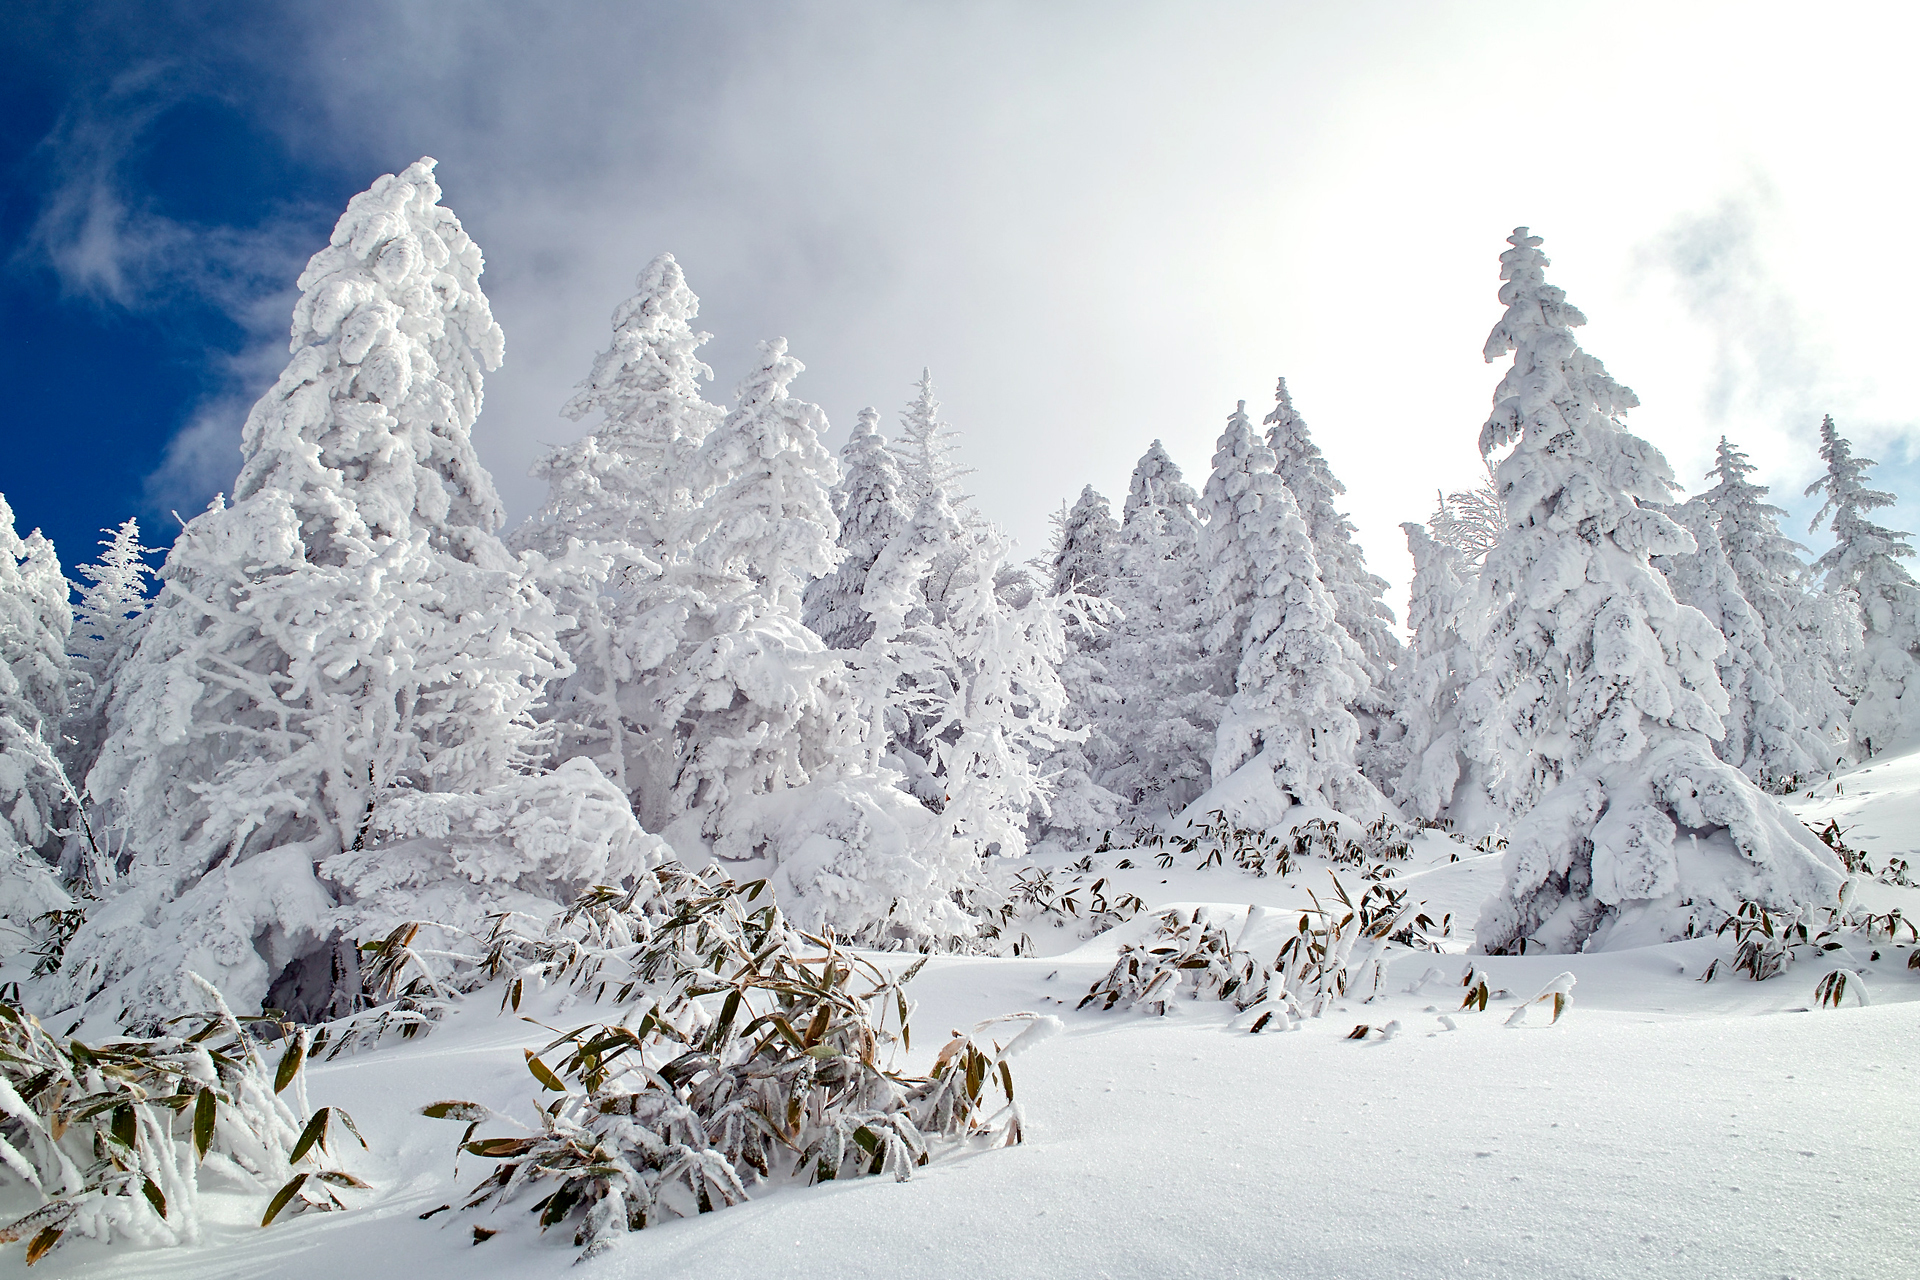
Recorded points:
(1598,693)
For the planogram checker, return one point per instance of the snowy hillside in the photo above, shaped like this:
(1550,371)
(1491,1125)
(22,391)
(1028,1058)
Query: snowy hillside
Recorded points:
(1661,1127)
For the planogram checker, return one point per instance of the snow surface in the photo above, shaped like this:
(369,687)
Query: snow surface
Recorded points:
(1662,1127)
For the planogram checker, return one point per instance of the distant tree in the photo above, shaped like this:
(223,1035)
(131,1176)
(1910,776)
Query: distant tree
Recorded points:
(871,504)
(928,449)
(1597,696)
(1443,614)
(1864,562)
(1470,521)
(1081,567)
(1812,635)
(1766,736)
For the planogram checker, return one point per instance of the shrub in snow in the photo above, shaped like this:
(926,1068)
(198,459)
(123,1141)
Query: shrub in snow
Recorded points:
(1165,709)
(1296,671)
(1766,942)
(348,632)
(35,795)
(1813,635)
(115,1137)
(747,1052)
(1013,902)
(1597,694)
(1766,737)
(1864,562)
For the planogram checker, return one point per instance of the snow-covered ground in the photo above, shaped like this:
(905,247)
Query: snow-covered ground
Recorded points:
(1663,1127)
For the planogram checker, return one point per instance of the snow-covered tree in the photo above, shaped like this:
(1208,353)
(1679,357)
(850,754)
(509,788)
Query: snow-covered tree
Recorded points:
(1470,521)
(35,620)
(1081,567)
(1359,597)
(928,450)
(1443,614)
(1766,737)
(1864,562)
(1808,632)
(346,636)
(106,627)
(1597,695)
(628,481)
(871,504)
(1289,721)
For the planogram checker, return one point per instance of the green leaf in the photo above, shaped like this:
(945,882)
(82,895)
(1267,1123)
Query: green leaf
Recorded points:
(204,1110)
(282,1196)
(290,1062)
(498,1148)
(543,1073)
(126,1126)
(154,1198)
(316,1131)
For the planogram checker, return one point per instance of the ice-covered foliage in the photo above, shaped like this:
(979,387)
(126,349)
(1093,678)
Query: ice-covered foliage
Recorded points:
(348,632)
(1359,596)
(1162,719)
(1864,562)
(928,449)
(745,1052)
(1766,737)
(1443,614)
(115,1137)
(872,505)
(1470,521)
(35,796)
(1812,635)
(1296,671)
(1597,696)
(106,627)
(1081,570)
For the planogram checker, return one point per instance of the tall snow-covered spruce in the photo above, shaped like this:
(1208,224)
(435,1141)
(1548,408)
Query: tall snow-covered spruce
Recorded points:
(1591,718)
(1443,616)
(1288,736)
(325,729)
(1864,563)
(871,503)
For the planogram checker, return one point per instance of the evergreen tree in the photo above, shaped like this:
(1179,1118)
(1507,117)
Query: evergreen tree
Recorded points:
(1359,597)
(927,448)
(106,627)
(35,620)
(1442,611)
(1597,695)
(1162,720)
(1288,719)
(346,637)
(1766,737)
(1470,521)
(1081,568)
(871,505)
(1864,564)
(1806,631)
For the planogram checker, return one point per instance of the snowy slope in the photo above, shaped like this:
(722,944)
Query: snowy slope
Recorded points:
(1664,1127)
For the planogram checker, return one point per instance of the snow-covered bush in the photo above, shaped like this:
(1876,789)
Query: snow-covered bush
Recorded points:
(114,1137)
(746,1052)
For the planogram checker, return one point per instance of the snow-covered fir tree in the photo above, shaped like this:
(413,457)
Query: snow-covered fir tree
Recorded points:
(106,627)
(1597,697)
(1359,596)
(1288,722)
(1081,567)
(871,504)
(1443,613)
(1766,736)
(1864,563)
(1162,718)
(35,797)
(326,726)
(1470,521)
(928,449)
(1812,635)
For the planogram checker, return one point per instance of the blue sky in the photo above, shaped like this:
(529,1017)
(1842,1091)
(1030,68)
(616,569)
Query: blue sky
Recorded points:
(1098,223)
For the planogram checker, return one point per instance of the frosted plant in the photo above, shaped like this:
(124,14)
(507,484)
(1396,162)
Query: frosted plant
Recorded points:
(106,628)
(35,796)
(1298,672)
(1812,635)
(1081,569)
(1443,613)
(927,449)
(1864,562)
(1470,521)
(1766,737)
(1162,720)
(348,632)
(871,503)
(1591,718)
